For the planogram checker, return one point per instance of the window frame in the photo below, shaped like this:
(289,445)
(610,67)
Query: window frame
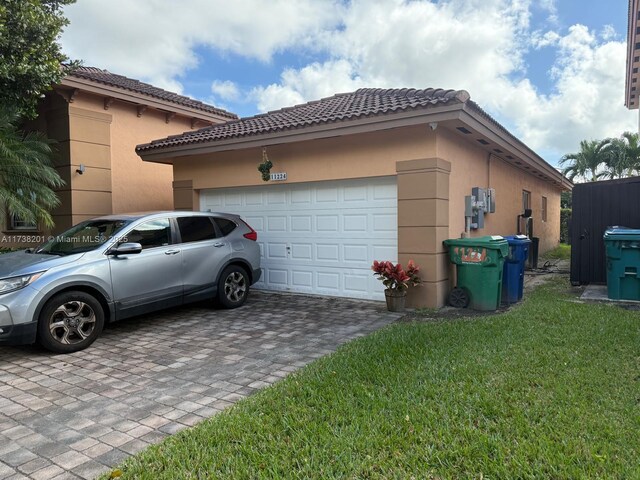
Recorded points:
(222,234)
(173,226)
(178,235)
(33,227)
(545,206)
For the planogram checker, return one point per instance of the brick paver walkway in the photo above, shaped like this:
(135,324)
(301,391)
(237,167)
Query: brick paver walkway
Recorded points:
(74,416)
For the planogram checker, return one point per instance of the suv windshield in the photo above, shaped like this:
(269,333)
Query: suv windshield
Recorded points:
(83,237)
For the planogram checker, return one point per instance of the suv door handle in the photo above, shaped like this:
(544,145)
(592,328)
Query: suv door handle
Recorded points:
(218,244)
(172,252)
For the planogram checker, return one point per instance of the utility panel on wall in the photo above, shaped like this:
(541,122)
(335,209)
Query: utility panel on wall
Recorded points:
(481,201)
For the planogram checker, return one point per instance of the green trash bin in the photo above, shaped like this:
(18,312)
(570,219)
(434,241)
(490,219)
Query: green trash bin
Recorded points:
(479,262)
(622,247)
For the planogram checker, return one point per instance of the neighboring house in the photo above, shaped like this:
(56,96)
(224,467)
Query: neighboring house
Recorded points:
(632,98)
(370,175)
(98,118)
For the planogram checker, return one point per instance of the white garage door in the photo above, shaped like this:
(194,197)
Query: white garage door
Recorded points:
(318,238)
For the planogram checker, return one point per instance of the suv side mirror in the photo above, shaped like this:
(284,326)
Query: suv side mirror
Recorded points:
(128,248)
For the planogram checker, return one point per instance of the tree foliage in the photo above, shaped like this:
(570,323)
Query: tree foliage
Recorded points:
(31,56)
(608,158)
(588,161)
(26,173)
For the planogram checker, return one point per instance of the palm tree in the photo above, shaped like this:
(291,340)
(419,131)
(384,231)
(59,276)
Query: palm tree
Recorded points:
(623,156)
(26,173)
(588,161)
(633,152)
(617,159)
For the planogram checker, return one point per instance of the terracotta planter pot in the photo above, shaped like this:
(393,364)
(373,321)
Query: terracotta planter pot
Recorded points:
(395,300)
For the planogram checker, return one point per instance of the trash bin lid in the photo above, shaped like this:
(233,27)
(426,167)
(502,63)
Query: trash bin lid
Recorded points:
(622,233)
(494,242)
(517,239)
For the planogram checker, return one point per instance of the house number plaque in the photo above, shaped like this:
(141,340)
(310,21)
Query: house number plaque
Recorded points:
(279,177)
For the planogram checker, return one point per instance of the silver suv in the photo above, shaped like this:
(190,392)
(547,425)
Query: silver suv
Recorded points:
(109,268)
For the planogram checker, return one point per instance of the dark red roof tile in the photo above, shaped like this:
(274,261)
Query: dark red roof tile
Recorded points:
(361,103)
(107,78)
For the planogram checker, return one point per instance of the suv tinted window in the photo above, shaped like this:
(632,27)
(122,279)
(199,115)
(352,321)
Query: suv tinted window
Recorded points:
(225,226)
(154,233)
(195,229)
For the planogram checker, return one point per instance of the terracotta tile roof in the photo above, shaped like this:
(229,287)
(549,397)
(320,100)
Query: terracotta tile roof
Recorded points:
(119,81)
(365,102)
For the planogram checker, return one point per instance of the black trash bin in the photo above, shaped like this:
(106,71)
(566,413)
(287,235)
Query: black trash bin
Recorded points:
(532,261)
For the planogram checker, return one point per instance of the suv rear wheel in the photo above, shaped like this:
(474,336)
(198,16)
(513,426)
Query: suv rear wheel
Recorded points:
(70,321)
(233,287)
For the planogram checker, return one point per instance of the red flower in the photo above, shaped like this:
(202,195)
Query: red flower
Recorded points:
(394,277)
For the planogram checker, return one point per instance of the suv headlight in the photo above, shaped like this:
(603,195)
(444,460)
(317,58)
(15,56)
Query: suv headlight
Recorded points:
(16,283)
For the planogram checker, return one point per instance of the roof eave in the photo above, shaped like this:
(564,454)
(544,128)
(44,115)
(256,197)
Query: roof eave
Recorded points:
(465,113)
(632,39)
(130,96)
(503,138)
(324,130)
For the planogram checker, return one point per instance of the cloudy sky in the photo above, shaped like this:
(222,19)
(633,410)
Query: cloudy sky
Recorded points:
(552,71)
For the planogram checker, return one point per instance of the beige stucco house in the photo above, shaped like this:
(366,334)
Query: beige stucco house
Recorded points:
(369,175)
(98,118)
(632,95)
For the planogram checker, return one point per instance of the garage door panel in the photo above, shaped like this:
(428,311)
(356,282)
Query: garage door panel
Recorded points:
(276,198)
(326,195)
(327,223)
(355,194)
(301,223)
(277,277)
(253,198)
(318,238)
(355,253)
(385,192)
(301,251)
(276,251)
(302,278)
(301,197)
(356,283)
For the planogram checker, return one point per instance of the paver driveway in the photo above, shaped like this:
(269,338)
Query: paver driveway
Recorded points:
(73,416)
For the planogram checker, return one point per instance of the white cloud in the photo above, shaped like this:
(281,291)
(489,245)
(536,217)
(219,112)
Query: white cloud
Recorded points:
(225,90)
(155,40)
(314,81)
(548,39)
(477,45)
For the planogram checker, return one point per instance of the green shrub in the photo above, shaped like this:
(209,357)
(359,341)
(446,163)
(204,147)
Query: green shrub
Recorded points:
(565,218)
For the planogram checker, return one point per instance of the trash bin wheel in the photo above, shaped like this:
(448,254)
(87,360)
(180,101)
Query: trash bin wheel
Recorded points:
(459,298)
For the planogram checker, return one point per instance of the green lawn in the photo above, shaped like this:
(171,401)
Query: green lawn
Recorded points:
(550,389)
(561,252)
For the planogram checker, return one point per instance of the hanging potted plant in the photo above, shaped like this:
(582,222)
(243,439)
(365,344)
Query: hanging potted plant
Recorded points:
(396,281)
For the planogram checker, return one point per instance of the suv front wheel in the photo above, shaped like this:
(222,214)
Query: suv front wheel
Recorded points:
(69,322)
(233,287)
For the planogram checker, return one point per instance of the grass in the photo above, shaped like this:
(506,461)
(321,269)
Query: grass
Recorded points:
(561,252)
(550,389)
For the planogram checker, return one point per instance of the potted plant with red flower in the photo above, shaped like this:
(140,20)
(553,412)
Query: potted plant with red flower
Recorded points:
(397,281)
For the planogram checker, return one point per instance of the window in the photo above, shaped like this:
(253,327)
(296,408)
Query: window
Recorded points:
(226,226)
(526,200)
(16,223)
(84,237)
(544,209)
(154,233)
(196,229)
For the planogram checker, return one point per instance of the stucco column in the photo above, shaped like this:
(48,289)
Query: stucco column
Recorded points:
(184,197)
(423,223)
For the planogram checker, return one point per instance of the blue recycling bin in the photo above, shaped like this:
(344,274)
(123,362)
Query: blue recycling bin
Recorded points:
(513,270)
